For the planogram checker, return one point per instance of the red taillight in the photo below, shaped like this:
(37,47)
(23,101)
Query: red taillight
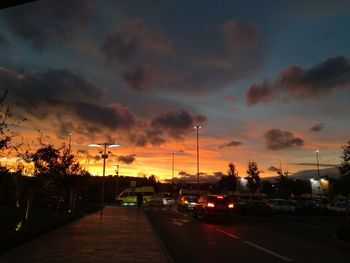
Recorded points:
(231,205)
(220,197)
(210,205)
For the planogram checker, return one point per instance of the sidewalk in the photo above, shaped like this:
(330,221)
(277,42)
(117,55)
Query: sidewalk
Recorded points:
(123,235)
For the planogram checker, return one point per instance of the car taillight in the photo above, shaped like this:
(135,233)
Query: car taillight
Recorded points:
(220,197)
(210,205)
(231,205)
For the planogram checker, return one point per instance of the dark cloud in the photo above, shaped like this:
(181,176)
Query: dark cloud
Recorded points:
(127,159)
(259,93)
(315,164)
(184,177)
(147,59)
(56,94)
(300,83)
(3,41)
(176,123)
(231,144)
(43,23)
(277,139)
(273,169)
(317,127)
(138,79)
(239,35)
(71,103)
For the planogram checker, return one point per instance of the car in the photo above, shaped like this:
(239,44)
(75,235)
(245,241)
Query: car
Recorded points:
(187,203)
(214,207)
(161,199)
(280,205)
(339,207)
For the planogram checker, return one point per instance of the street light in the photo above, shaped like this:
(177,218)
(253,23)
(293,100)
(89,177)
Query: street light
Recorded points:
(173,153)
(197,127)
(104,157)
(117,177)
(318,166)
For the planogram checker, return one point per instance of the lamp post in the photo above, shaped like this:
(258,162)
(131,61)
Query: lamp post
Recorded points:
(173,153)
(117,177)
(104,157)
(197,127)
(318,166)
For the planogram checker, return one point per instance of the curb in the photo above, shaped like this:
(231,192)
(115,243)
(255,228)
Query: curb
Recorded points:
(160,242)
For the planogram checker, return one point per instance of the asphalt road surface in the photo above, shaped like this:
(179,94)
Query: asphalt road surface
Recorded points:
(249,239)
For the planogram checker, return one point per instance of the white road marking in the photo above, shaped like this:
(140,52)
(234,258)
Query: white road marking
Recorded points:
(227,233)
(255,246)
(177,223)
(268,251)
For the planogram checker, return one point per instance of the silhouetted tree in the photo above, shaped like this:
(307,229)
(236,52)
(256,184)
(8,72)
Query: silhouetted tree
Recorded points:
(253,176)
(344,169)
(229,182)
(284,184)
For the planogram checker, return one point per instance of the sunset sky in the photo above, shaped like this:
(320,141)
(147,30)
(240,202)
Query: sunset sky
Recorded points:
(267,80)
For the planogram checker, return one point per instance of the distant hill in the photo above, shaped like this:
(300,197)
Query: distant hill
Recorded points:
(332,172)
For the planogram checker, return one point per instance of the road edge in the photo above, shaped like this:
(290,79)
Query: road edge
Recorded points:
(160,242)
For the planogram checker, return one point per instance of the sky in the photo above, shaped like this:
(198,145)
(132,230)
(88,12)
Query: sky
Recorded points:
(267,81)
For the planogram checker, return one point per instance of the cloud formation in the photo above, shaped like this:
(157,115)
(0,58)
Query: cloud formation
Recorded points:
(317,127)
(184,177)
(277,139)
(127,159)
(176,123)
(299,83)
(273,169)
(231,144)
(44,23)
(3,41)
(72,103)
(147,59)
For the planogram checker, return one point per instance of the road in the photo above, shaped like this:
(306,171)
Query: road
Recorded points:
(248,239)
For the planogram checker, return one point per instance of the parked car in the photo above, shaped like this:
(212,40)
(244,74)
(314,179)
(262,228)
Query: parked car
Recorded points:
(187,203)
(161,199)
(280,205)
(339,207)
(214,207)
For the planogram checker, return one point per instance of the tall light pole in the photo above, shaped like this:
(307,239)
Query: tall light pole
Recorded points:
(197,127)
(173,153)
(318,166)
(104,157)
(117,177)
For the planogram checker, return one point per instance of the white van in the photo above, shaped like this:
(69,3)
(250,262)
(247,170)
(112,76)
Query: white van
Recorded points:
(129,195)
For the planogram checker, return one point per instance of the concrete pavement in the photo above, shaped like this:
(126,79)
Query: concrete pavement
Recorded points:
(123,235)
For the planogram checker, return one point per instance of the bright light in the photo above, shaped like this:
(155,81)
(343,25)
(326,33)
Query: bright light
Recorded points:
(95,145)
(210,205)
(220,197)
(113,145)
(317,151)
(231,205)
(197,127)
